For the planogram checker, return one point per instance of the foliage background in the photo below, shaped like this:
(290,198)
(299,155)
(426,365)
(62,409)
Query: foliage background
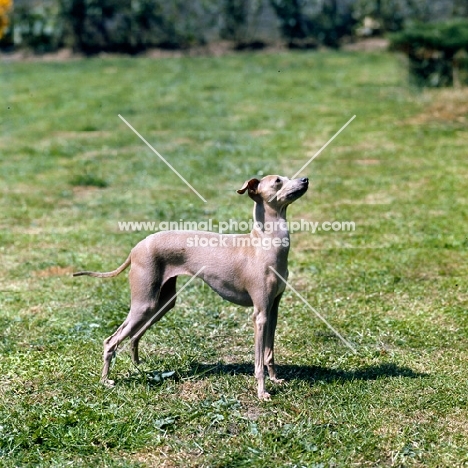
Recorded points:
(131,26)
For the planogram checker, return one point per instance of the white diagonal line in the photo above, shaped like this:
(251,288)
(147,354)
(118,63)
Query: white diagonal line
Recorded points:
(161,308)
(324,146)
(320,150)
(163,159)
(336,332)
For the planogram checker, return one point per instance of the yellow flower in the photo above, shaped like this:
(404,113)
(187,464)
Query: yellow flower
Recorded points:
(5,8)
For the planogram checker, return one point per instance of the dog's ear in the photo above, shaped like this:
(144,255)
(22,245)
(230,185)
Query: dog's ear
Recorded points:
(251,185)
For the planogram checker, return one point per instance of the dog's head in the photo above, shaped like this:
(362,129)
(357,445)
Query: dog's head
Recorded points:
(275,189)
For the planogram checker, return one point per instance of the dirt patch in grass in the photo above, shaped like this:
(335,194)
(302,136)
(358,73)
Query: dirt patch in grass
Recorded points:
(215,49)
(159,457)
(107,152)
(84,190)
(361,147)
(448,105)
(367,162)
(372,44)
(36,309)
(456,423)
(395,423)
(71,135)
(27,56)
(261,132)
(379,198)
(54,271)
(194,390)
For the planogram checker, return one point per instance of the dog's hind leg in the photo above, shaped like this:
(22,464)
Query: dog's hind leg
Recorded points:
(138,316)
(145,292)
(167,300)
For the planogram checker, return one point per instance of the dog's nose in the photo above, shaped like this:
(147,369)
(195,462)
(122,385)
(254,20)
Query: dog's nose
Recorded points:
(305,180)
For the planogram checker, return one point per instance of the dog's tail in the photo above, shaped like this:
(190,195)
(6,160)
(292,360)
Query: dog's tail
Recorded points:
(108,274)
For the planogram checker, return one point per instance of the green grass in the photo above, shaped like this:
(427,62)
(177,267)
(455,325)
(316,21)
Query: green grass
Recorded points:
(396,287)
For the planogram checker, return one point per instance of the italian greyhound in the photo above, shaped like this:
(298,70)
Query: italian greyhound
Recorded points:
(245,269)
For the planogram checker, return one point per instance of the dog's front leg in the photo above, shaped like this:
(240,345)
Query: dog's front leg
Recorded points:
(272,320)
(260,328)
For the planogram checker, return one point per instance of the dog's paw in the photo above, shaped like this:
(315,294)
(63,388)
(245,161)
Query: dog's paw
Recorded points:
(277,381)
(108,383)
(264,396)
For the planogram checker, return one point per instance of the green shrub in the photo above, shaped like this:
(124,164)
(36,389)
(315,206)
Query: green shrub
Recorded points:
(93,26)
(433,50)
(304,22)
(448,37)
(392,15)
(38,26)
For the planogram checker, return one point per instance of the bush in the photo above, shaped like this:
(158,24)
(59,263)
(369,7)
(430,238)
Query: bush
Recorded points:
(449,37)
(392,15)
(129,26)
(38,27)
(238,18)
(308,22)
(433,50)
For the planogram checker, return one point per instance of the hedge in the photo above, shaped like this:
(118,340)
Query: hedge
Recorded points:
(436,51)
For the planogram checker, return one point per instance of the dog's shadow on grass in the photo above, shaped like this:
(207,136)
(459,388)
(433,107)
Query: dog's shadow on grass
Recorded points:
(310,374)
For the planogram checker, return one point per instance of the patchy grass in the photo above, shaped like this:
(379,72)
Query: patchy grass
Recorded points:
(396,287)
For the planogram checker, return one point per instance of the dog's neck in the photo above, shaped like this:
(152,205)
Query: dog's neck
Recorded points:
(269,222)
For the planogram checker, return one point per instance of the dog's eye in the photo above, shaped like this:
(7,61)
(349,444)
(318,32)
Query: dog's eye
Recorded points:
(278,181)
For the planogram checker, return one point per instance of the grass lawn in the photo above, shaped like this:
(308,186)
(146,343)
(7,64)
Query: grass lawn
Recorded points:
(396,287)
